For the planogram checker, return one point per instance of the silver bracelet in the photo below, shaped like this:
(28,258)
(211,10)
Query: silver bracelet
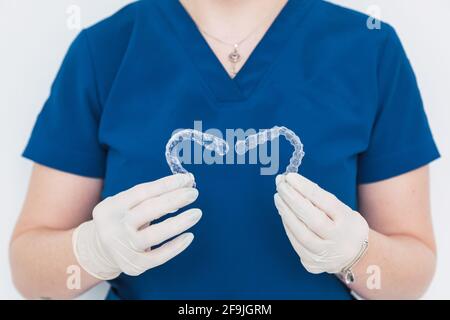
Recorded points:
(347,273)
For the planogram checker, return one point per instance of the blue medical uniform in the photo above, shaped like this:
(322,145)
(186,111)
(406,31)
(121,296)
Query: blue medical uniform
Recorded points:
(129,81)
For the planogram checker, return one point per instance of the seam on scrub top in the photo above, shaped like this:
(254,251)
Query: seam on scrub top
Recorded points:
(423,145)
(277,58)
(94,75)
(210,95)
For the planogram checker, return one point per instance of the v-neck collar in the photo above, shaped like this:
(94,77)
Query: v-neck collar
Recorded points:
(225,88)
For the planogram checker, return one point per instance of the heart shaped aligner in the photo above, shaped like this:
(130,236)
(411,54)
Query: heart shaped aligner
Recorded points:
(252,141)
(221,147)
(207,140)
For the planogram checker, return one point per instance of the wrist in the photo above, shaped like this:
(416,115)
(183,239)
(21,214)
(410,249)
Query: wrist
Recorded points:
(89,253)
(351,270)
(360,268)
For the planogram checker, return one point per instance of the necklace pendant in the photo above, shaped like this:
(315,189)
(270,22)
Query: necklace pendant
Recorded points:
(234,56)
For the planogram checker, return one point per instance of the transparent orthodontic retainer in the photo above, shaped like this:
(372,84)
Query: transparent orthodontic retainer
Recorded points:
(251,142)
(221,147)
(206,140)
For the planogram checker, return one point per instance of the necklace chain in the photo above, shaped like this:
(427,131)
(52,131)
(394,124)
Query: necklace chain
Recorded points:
(235,56)
(231,44)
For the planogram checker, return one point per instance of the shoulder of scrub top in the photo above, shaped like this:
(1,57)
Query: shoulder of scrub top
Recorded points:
(108,41)
(366,28)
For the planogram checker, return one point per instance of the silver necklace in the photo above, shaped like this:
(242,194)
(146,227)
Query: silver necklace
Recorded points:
(234,57)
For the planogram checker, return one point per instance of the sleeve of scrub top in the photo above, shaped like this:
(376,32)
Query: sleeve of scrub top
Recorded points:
(401,139)
(65,135)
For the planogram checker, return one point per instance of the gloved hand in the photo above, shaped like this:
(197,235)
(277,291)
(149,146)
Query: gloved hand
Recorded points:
(327,235)
(119,237)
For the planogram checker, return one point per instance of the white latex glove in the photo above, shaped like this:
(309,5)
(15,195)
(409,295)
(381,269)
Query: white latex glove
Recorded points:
(119,237)
(326,234)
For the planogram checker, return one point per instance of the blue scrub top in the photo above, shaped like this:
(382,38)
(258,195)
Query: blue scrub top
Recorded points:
(129,81)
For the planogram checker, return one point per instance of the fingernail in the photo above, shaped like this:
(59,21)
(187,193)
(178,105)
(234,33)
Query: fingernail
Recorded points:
(187,238)
(279,179)
(180,180)
(192,178)
(195,215)
(295,177)
(275,200)
(187,180)
(192,194)
(282,184)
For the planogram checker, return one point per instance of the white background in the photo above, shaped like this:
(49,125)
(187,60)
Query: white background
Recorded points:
(34,38)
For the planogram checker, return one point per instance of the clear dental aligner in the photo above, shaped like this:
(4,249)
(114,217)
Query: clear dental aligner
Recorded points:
(251,142)
(207,140)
